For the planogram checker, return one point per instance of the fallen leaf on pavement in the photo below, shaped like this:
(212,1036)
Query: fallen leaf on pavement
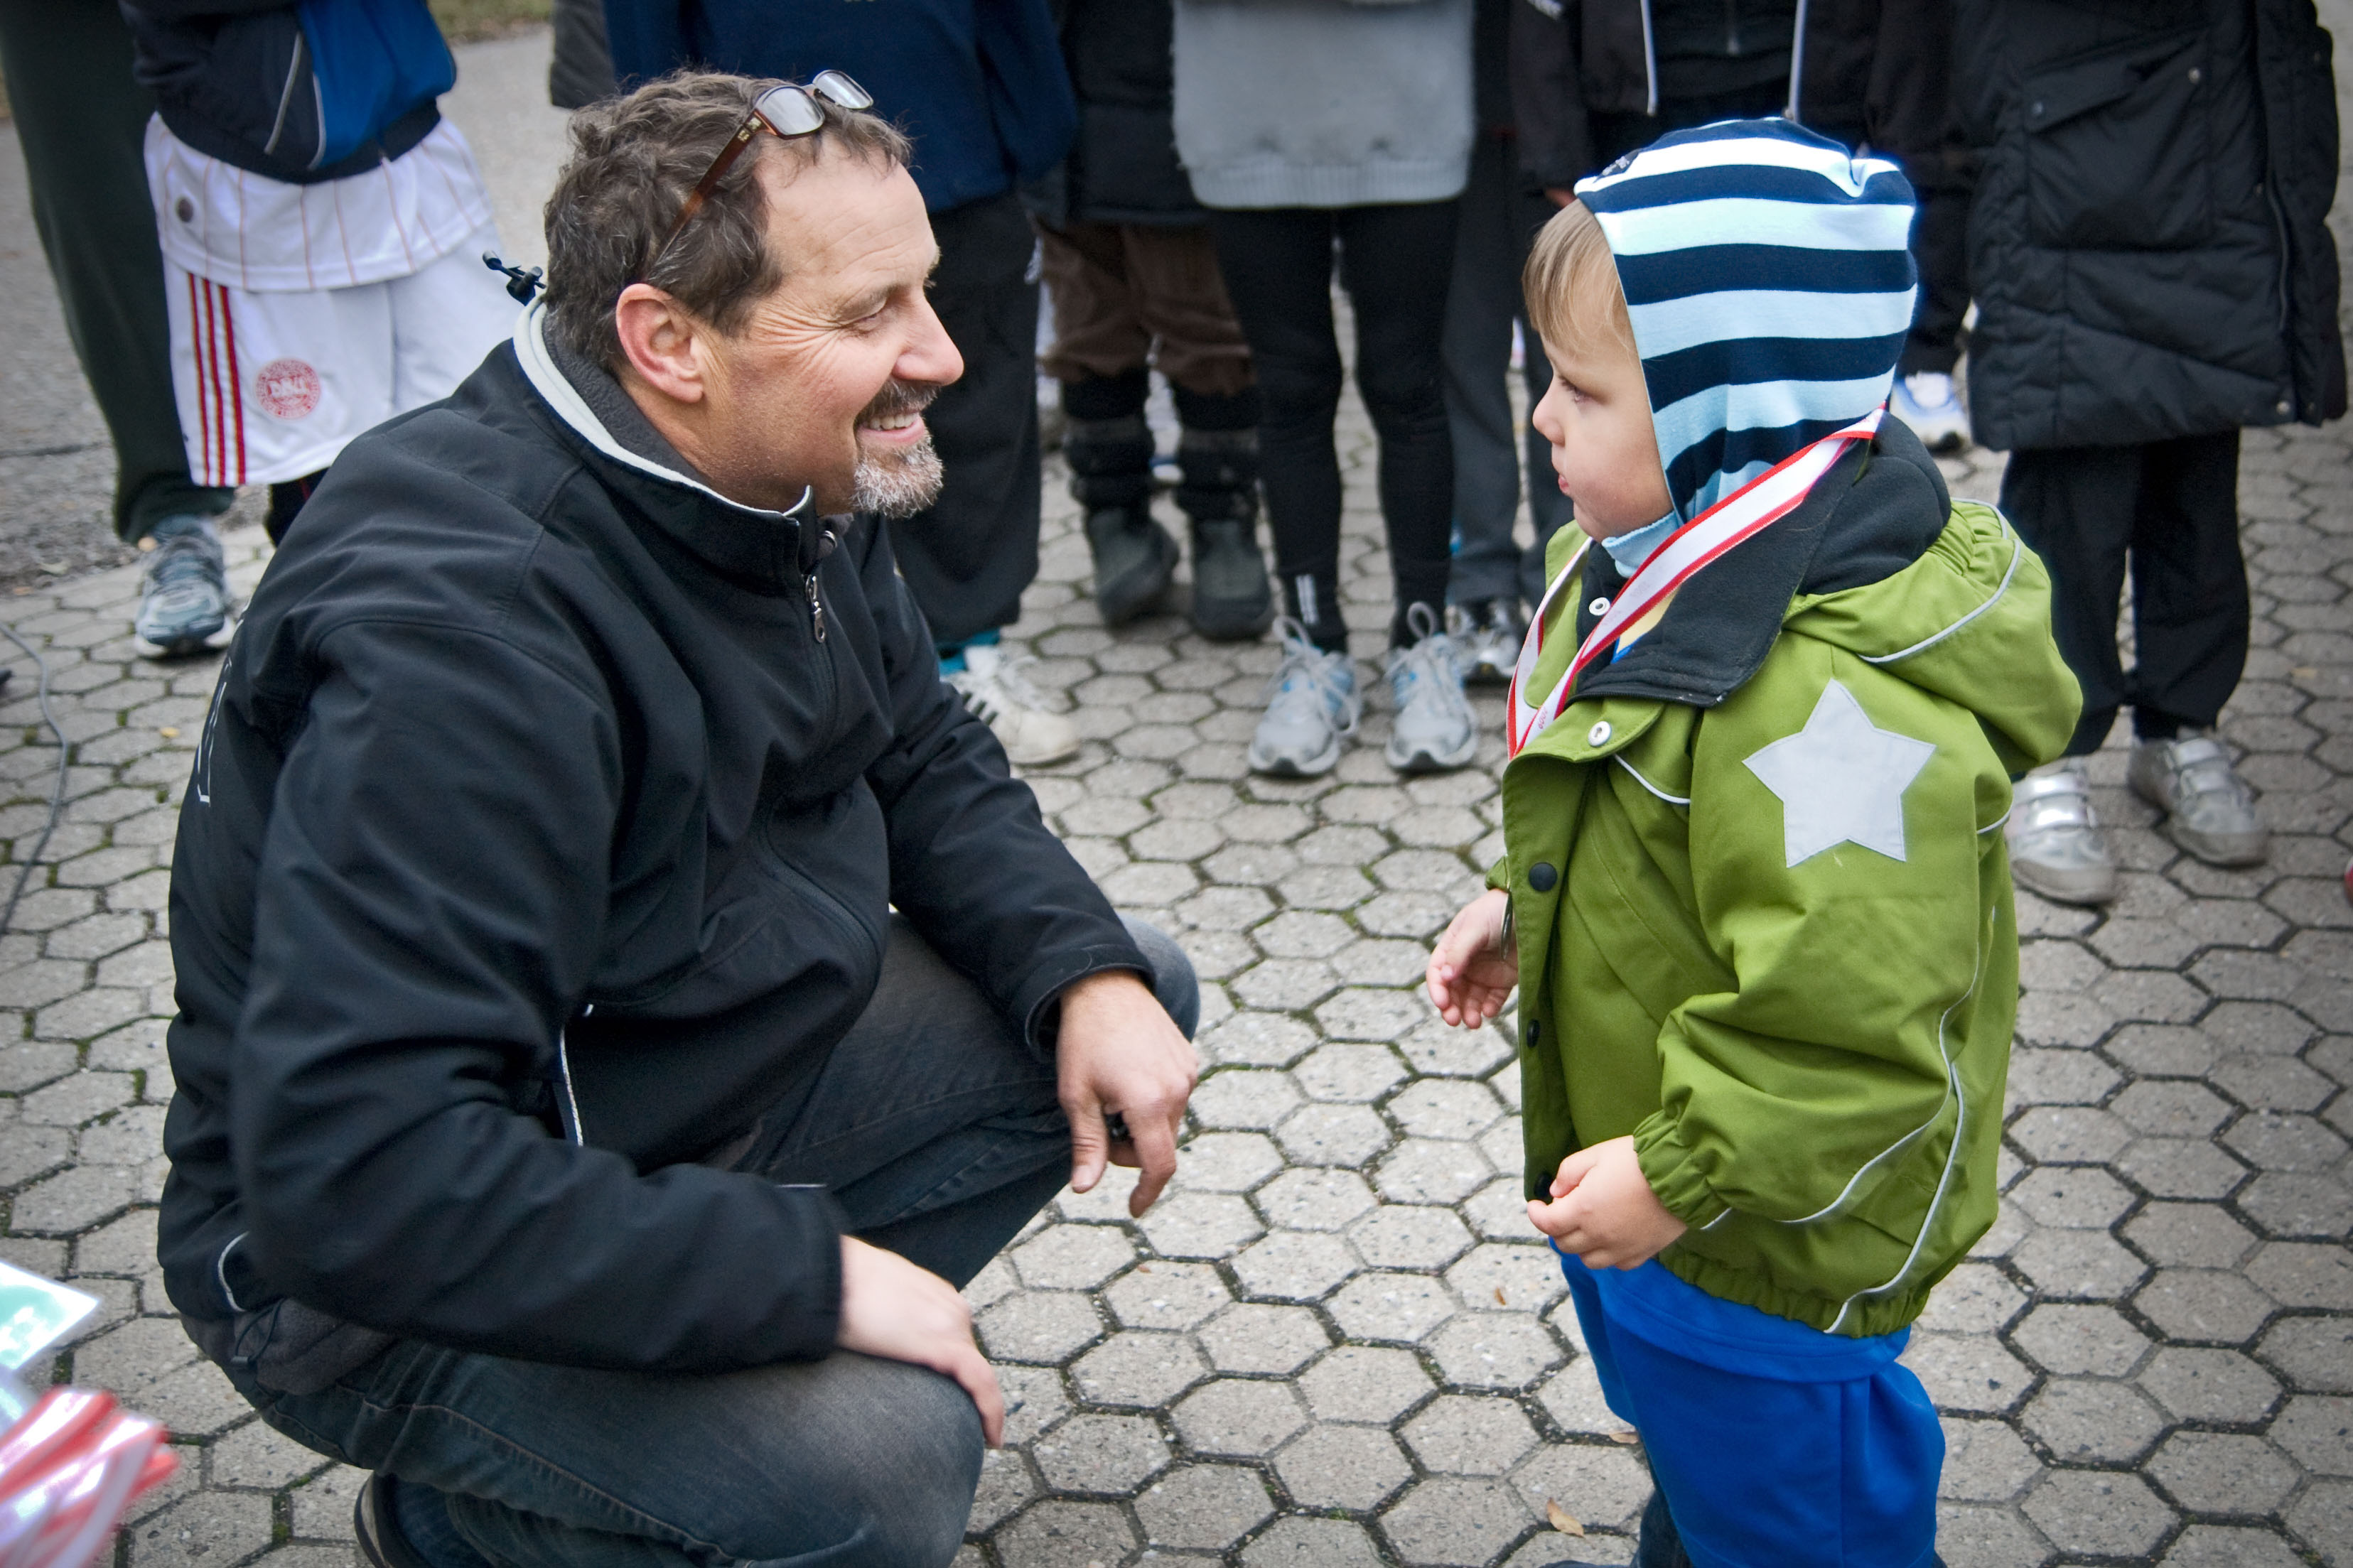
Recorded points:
(1560,1520)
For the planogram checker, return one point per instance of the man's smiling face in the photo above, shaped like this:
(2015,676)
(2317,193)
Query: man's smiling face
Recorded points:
(824,383)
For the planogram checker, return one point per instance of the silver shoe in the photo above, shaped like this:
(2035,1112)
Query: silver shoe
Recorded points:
(1435,729)
(2208,809)
(2056,848)
(1487,633)
(184,605)
(994,689)
(1313,705)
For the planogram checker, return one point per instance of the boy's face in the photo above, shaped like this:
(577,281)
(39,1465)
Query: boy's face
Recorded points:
(1597,414)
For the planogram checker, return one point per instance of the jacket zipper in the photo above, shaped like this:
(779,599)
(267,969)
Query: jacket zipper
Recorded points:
(817,606)
(1797,65)
(1650,65)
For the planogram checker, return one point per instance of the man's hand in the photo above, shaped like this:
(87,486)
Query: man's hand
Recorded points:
(1473,967)
(1120,1052)
(892,1309)
(1603,1211)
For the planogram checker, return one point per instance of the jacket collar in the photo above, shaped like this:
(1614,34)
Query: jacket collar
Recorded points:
(1876,511)
(770,551)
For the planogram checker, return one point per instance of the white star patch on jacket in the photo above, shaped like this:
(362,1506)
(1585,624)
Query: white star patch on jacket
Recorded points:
(1841,779)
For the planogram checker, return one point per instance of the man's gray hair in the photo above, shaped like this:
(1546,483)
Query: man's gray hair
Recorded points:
(633,160)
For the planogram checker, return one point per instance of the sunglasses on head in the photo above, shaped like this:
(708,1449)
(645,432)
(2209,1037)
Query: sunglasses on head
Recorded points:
(786,111)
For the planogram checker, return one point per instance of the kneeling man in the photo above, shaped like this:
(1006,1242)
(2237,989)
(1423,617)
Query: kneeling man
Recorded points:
(623,993)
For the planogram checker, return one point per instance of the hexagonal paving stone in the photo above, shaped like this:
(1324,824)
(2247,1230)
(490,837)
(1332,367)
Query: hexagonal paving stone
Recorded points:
(1454,1522)
(2099,1514)
(2216,1472)
(2074,1196)
(1006,1487)
(1347,1135)
(2069,1135)
(1515,1277)
(1401,1235)
(1139,1368)
(1203,1507)
(2316,1354)
(2196,1236)
(2181,1168)
(1428,1170)
(2299,1204)
(1251,1337)
(2218,1546)
(1227,1162)
(1058,1534)
(1073,1257)
(1968,1373)
(1166,1295)
(1985,1461)
(1364,1382)
(1495,1350)
(1602,1486)
(1200,1225)
(2210,1384)
(2317,1429)
(1358,1074)
(1441,1108)
(2085,1420)
(1312,1543)
(2192,1305)
(1469,1435)
(1355,1468)
(1038,1326)
(1398,1307)
(1232,1416)
(2071,1339)
(1103,1454)
(2323,1518)
(1314,1198)
(1295,1266)
(1246,1099)
(2082,1264)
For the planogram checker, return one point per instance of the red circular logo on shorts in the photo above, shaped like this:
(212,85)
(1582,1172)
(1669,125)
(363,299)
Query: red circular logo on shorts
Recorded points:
(287,388)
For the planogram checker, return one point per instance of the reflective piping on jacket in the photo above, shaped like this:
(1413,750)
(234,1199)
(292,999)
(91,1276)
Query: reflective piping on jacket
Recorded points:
(1650,65)
(1997,822)
(1952,1157)
(1619,758)
(1797,65)
(568,1112)
(220,1271)
(558,393)
(2017,552)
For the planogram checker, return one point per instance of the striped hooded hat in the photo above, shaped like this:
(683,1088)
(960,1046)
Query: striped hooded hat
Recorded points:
(1769,280)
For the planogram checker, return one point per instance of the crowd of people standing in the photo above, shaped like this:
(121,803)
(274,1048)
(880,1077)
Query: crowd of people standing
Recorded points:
(271,242)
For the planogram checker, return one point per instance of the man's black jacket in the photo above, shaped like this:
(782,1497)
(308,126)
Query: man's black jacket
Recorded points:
(534,844)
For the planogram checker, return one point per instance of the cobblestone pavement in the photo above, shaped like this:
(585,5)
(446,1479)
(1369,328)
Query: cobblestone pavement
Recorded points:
(1336,1342)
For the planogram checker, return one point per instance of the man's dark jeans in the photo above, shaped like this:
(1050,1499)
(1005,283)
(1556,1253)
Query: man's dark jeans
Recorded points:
(938,1130)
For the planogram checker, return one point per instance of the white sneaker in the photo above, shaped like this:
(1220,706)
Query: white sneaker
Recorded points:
(1435,729)
(1928,402)
(994,689)
(2056,848)
(1313,705)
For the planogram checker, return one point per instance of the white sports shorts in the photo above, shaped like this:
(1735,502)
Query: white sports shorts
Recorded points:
(272,386)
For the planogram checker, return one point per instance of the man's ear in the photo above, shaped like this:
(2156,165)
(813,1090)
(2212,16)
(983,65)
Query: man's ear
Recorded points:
(665,346)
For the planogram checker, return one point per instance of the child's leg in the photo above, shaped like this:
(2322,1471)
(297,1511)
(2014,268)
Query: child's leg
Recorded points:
(1765,1474)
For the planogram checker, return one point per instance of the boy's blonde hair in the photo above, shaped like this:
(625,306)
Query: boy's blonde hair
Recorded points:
(1574,297)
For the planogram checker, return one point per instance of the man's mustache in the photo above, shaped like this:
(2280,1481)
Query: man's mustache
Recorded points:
(898,398)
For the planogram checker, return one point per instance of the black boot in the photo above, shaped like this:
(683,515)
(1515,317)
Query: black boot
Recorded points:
(1109,450)
(1232,598)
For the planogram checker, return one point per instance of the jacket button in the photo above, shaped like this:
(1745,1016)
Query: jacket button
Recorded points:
(1535,1030)
(2283,406)
(1598,608)
(1541,876)
(1599,734)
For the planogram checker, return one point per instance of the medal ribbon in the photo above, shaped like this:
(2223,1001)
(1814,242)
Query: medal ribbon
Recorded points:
(1755,506)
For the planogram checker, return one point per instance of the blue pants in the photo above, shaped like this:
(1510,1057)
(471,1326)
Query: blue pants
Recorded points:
(938,1130)
(1774,1446)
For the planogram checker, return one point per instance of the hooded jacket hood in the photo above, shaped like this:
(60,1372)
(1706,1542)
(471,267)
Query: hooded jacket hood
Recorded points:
(1770,282)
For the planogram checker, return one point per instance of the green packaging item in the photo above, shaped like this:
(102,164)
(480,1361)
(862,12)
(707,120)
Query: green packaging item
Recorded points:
(36,1313)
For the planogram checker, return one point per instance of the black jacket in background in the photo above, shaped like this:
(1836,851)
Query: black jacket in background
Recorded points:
(1872,68)
(2148,246)
(1122,168)
(536,843)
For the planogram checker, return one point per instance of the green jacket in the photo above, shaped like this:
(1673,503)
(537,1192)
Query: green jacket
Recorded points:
(1806,1033)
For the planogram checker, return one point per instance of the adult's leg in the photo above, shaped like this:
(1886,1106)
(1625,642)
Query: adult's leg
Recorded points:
(1181,298)
(2189,585)
(2074,506)
(970,555)
(81,122)
(1480,302)
(1394,260)
(936,1127)
(1278,269)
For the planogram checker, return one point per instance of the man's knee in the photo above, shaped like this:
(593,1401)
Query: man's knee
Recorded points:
(1173,980)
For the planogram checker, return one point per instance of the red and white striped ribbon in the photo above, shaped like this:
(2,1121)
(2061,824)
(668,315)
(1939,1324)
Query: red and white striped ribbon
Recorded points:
(1756,505)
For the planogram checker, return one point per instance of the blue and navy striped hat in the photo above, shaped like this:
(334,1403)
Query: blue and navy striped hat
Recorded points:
(1770,284)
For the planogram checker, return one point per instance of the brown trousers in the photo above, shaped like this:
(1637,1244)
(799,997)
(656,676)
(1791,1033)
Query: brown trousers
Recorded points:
(1117,289)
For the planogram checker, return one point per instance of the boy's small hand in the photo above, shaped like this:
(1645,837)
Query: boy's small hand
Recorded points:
(1473,967)
(1604,1211)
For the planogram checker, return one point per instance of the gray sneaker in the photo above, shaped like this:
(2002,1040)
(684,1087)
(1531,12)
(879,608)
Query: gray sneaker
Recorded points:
(2056,848)
(2208,809)
(1487,635)
(1312,706)
(183,591)
(1435,728)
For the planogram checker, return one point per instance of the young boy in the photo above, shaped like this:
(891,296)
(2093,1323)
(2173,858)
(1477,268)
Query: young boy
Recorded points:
(1755,880)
